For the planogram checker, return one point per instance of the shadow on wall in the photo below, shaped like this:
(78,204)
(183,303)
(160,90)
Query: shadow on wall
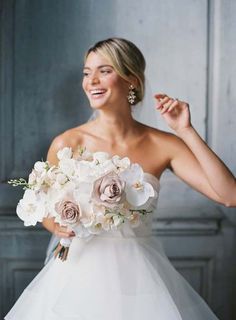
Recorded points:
(69,100)
(67,107)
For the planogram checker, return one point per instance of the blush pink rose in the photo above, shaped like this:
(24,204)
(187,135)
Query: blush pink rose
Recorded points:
(109,190)
(68,211)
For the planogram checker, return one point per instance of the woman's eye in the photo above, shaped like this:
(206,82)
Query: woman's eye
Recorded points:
(85,74)
(105,71)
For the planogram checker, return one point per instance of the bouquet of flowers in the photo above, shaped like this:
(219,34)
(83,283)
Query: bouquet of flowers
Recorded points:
(89,194)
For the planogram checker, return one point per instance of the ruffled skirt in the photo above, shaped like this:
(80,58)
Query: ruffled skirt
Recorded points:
(111,278)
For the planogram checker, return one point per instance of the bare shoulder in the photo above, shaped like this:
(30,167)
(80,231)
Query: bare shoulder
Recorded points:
(72,138)
(165,146)
(163,138)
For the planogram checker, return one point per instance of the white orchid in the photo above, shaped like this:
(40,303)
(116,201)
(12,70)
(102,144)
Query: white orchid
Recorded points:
(121,163)
(102,164)
(100,157)
(105,167)
(31,209)
(138,191)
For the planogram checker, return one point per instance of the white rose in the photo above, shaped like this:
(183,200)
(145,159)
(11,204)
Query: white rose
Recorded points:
(31,209)
(65,153)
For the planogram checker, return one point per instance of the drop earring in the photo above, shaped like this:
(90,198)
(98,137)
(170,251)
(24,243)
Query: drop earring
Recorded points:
(131,95)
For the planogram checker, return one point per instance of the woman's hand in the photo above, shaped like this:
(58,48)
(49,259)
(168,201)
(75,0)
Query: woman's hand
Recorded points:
(175,112)
(62,232)
(56,229)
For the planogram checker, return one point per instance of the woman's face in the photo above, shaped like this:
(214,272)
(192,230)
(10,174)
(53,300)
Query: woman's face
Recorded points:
(102,85)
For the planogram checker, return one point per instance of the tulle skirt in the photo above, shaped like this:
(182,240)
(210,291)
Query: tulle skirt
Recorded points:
(111,277)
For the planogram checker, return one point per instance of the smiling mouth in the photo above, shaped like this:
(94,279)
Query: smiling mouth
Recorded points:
(96,93)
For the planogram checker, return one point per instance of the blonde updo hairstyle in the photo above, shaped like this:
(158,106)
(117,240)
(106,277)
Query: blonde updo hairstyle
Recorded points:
(126,59)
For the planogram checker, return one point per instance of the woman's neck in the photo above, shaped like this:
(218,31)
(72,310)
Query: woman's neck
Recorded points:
(115,126)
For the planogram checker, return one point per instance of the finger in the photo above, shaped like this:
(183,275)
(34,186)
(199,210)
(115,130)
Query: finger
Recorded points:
(64,234)
(70,232)
(162,102)
(176,102)
(166,106)
(66,230)
(60,230)
(169,103)
(160,95)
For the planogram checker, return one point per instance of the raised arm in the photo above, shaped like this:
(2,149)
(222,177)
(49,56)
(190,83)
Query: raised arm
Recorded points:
(191,158)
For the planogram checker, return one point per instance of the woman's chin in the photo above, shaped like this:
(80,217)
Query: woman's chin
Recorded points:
(98,106)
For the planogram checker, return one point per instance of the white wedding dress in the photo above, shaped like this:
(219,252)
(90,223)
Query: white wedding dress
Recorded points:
(117,275)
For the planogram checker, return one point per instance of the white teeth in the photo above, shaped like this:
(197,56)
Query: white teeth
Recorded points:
(97,91)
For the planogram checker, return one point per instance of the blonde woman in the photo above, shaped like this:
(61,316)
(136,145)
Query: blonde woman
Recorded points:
(125,275)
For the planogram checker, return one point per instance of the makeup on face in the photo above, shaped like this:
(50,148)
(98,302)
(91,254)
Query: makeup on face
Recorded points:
(101,82)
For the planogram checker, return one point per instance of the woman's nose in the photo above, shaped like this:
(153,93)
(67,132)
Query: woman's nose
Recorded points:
(94,79)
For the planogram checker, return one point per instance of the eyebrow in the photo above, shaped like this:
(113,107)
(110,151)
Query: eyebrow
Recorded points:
(99,67)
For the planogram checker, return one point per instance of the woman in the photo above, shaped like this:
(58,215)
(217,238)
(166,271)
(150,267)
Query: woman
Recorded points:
(124,275)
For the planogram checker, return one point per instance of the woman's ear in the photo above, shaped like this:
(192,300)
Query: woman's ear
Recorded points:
(134,81)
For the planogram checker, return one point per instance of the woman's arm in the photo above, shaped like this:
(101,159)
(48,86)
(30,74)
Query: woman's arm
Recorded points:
(192,160)
(218,175)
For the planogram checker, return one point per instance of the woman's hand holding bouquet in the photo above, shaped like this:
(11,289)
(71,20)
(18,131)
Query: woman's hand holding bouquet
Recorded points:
(86,195)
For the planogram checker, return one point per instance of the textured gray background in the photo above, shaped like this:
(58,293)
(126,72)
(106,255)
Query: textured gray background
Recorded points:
(190,50)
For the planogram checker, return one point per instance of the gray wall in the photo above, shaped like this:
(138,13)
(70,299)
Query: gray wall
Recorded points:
(190,51)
